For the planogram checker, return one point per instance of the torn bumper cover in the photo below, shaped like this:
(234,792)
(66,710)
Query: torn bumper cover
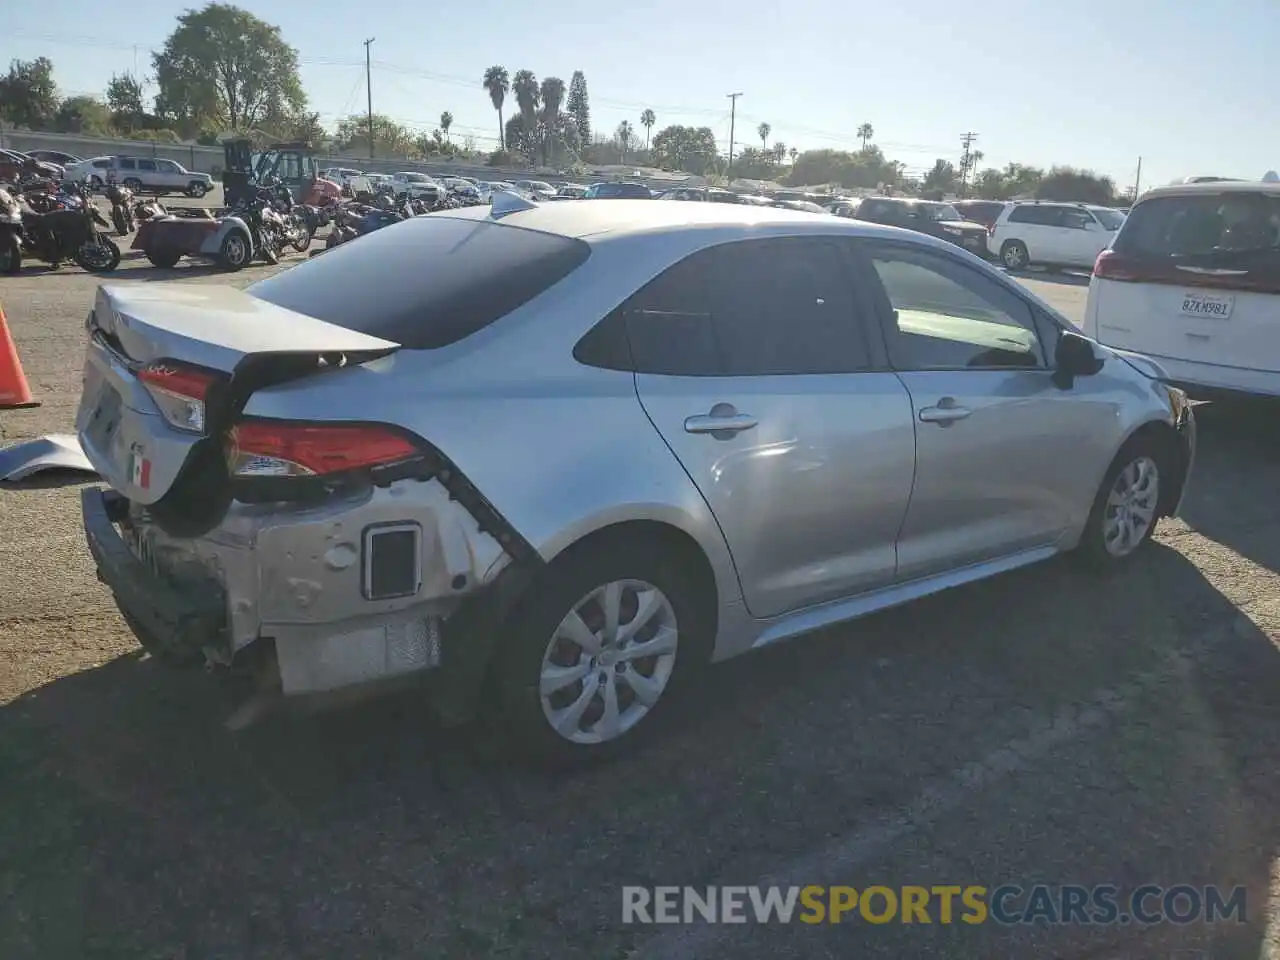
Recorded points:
(412,578)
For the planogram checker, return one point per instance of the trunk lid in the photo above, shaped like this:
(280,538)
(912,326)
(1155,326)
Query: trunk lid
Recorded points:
(242,342)
(1195,277)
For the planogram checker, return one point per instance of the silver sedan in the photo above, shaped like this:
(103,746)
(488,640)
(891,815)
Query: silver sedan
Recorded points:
(671,434)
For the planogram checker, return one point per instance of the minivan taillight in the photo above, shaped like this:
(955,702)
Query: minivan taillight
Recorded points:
(180,392)
(282,448)
(1112,266)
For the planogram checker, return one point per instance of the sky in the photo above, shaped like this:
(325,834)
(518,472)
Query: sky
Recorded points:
(1188,87)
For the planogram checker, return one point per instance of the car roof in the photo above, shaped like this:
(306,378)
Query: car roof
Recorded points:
(1212,187)
(621,218)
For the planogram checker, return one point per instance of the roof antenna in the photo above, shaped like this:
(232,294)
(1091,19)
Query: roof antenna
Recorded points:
(505,201)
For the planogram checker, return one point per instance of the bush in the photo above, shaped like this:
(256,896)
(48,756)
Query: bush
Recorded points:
(505,158)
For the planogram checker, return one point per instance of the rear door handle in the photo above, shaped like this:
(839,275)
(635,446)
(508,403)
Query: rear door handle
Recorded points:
(728,423)
(943,414)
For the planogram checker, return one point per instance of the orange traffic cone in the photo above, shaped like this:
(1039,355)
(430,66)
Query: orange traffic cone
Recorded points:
(14,391)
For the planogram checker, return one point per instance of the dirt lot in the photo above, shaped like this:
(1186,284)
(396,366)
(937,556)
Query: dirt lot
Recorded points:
(1044,727)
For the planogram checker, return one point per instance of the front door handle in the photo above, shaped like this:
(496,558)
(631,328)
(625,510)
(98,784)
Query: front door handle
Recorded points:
(727,424)
(945,413)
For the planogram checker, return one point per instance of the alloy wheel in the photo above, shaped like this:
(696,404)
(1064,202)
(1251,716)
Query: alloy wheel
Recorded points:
(608,662)
(1131,506)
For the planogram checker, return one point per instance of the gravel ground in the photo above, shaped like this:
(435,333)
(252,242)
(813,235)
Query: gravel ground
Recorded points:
(1043,727)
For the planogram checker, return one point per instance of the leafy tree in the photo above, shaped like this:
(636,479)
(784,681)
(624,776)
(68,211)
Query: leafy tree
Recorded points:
(551,93)
(222,65)
(124,98)
(521,139)
(578,106)
(763,132)
(941,178)
(446,121)
(28,95)
(389,137)
(497,84)
(647,120)
(82,115)
(691,149)
(865,132)
(625,137)
(1083,186)
(525,86)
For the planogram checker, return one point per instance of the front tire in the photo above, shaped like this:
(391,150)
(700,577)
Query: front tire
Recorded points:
(235,252)
(606,641)
(1013,254)
(196,189)
(134,184)
(100,256)
(1127,506)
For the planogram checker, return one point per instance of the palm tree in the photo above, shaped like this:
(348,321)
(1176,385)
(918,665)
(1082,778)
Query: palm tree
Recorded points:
(763,132)
(446,121)
(865,133)
(624,136)
(779,151)
(793,153)
(497,83)
(647,120)
(525,86)
(552,93)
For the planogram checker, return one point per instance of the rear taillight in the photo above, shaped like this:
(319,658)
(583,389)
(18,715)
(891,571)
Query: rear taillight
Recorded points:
(277,448)
(180,392)
(1112,266)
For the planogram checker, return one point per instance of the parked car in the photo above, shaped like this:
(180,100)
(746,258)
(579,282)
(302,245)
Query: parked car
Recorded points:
(538,189)
(149,175)
(930,217)
(15,165)
(846,207)
(417,186)
(63,160)
(341,175)
(803,206)
(1052,234)
(985,212)
(91,172)
(618,191)
(735,426)
(571,191)
(1193,279)
(700,194)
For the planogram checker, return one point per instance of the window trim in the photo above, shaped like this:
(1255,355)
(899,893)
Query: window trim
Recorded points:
(864,250)
(866,315)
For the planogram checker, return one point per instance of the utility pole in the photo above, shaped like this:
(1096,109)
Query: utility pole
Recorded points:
(368,86)
(966,160)
(1137,182)
(733,114)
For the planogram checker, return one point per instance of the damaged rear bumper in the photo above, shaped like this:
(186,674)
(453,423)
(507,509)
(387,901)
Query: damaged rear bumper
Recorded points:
(291,585)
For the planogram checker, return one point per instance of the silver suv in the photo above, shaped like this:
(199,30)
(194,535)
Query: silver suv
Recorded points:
(570,453)
(156,175)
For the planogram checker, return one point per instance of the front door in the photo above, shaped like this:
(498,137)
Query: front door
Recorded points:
(1002,454)
(754,364)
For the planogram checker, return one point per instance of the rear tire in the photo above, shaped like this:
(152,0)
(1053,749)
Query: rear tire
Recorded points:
(134,184)
(654,588)
(196,189)
(1014,256)
(1126,508)
(164,259)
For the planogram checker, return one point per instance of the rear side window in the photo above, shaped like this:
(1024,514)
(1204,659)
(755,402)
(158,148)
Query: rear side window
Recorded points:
(1221,229)
(1040,216)
(753,308)
(426,282)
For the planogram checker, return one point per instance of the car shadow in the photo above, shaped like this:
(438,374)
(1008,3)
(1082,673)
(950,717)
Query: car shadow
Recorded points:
(184,269)
(317,828)
(1047,276)
(51,479)
(1237,473)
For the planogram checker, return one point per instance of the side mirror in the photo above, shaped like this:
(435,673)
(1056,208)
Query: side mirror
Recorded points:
(1074,357)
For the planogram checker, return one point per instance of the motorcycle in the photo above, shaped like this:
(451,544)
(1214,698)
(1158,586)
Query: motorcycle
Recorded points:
(354,220)
(266,226)
(121,199)
(69,233)
(145,210)
(296,224)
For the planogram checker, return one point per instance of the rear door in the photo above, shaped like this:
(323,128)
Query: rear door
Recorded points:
(150,175)
(1197,278)
(753,362)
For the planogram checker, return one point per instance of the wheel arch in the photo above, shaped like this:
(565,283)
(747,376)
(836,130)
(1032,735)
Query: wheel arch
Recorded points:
(1166,439)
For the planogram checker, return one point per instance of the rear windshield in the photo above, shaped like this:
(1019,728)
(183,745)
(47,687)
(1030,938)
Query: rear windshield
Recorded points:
(426,282)
(1210,228)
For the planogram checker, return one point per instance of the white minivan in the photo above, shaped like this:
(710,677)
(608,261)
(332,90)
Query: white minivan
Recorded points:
(1193,281)
(1049,233)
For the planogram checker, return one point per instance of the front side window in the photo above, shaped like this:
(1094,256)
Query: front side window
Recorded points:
(752,308)
(946,315)
(127,164)
(148,165)
(1076,219)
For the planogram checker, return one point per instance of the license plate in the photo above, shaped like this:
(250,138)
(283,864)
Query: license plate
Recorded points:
(1201,305)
